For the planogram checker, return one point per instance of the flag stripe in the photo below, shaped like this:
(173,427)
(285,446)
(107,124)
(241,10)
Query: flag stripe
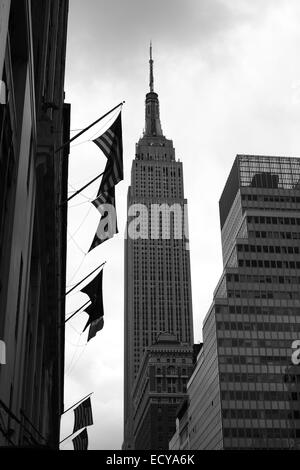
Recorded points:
(83,415)
(102,146)
(80,442)
(107,139)
(111,133)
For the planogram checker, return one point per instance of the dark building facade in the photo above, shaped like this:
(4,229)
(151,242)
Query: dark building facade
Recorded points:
(159,390)
(157,262)
(245,392)
(34,122)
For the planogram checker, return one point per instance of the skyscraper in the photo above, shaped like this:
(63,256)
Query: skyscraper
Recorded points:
(157,263)
(245,392)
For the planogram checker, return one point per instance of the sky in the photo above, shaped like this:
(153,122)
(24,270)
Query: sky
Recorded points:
(227,73)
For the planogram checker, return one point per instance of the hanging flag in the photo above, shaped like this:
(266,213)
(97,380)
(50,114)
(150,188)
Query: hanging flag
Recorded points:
(95,292)
(111,145)
(93,314)
(96,326)
(80,442)
(83,415)
(107,228)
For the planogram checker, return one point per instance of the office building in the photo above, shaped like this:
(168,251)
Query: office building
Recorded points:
(244,392)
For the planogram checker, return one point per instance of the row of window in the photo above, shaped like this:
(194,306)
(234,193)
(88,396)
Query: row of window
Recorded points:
(259,378)
(247,395)
(254,343)
(238,294)
(170,381)
(274,234)
(260,279)
(254,197)
(258,310)
(260,414)
(268,249)
(275,264)
(273,220)
(259,326)
(255,360)
(261,433)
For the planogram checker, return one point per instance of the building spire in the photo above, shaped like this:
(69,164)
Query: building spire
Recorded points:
(153,126)
(151,83)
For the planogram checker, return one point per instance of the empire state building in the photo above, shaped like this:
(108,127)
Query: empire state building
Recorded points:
(158,302)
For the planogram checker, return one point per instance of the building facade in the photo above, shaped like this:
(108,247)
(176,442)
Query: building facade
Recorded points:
(157,263)
(245,392)
(34,122)
(159,390)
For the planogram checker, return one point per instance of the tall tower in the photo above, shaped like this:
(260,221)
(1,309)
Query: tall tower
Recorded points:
(157,262)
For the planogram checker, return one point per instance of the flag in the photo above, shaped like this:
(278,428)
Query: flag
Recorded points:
(93,314)
(80,442)
(94,291)
(111,145)
(95,326)
(107,228)
(83,415)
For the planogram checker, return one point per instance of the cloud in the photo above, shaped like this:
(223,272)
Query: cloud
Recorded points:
(114,36)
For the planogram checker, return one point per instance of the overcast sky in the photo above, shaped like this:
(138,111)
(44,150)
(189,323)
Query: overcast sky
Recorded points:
(228,77)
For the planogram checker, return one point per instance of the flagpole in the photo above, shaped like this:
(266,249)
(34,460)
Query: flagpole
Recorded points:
(75,405)
(83,187)
(68,437)
(77,311)
(88,127)
(76,285)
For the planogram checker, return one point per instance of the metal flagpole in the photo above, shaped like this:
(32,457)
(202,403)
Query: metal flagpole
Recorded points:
(76,285)
(88,127)
(76,404)
(77,311)
(68,437)
(83,187)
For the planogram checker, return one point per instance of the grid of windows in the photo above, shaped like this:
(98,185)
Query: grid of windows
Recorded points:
(158,283)
(255,337)
(273,172)
(255,315)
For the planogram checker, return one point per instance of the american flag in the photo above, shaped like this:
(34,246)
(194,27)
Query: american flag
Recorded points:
(111,228)
(80,442)
(83,415)
(96,326)
(95,292)
(111,145)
